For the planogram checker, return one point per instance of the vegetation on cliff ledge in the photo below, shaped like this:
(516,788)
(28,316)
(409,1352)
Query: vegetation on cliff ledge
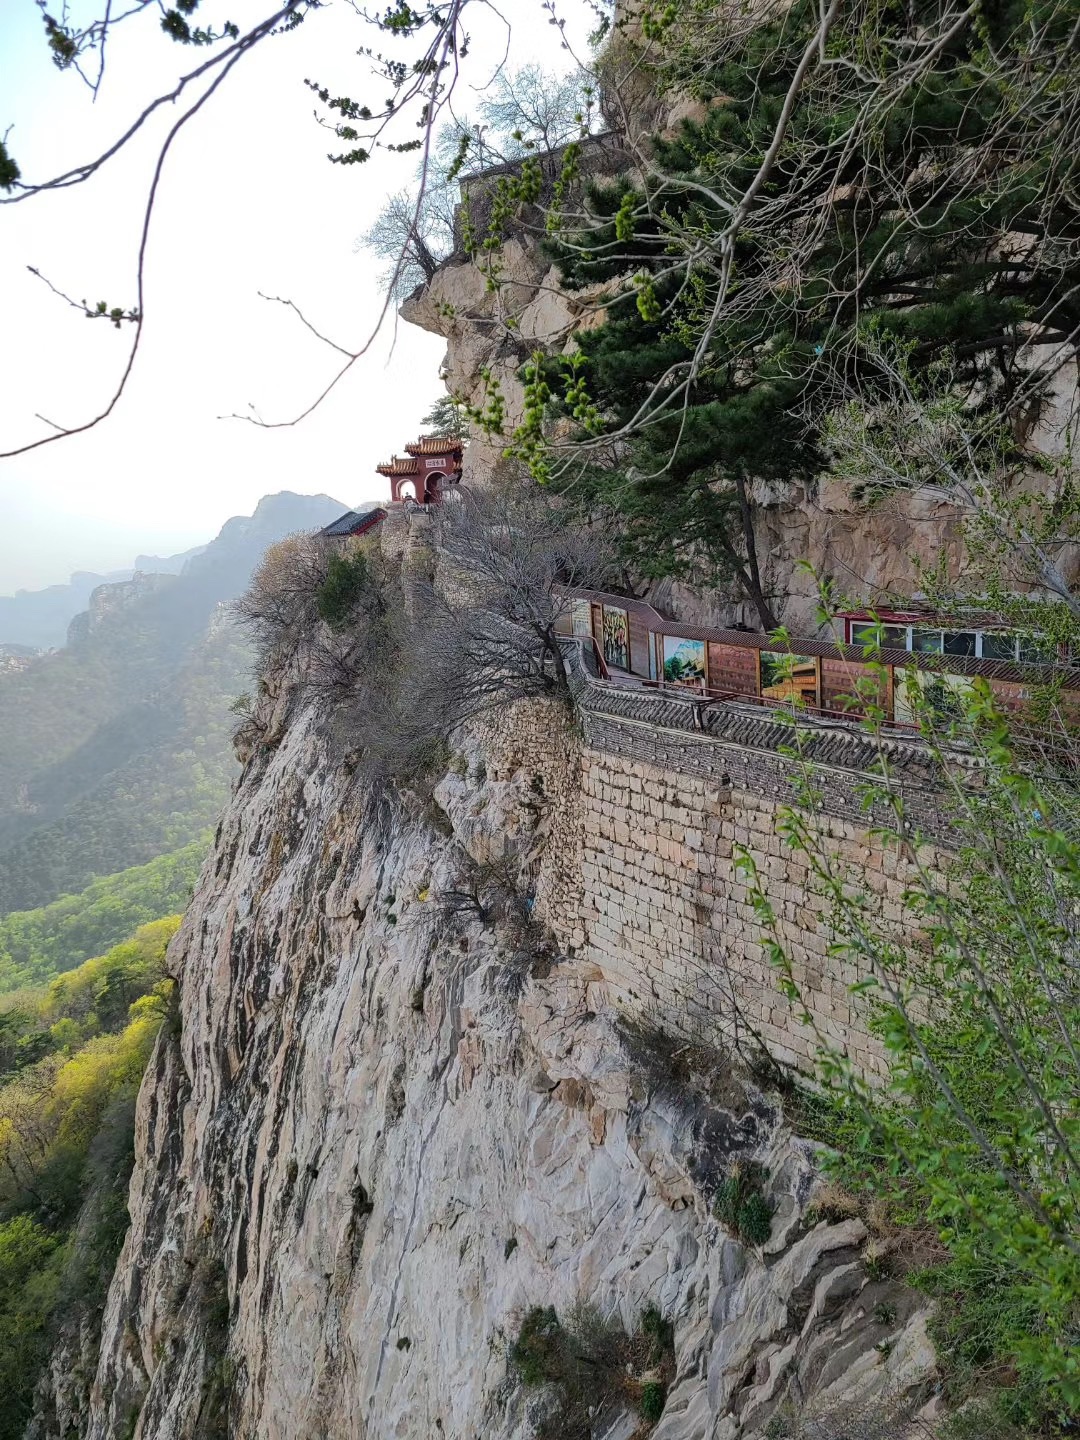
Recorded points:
(589,1370)
(401,656)
(964,1154)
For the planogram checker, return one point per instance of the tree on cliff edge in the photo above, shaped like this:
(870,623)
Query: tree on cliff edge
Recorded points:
(412,657)
(490,630)
(527,112)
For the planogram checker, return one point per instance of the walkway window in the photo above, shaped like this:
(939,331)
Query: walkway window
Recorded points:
(1037,652)
(959,642)
(888,637)
(998,647)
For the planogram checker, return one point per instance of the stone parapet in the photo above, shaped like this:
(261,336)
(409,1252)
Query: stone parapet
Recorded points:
(641,873)
(771,753)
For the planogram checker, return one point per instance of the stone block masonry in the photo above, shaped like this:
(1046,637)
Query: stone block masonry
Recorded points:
(753,746)
(639,871)
(667,917)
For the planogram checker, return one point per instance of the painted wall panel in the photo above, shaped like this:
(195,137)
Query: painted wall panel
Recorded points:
(733,667)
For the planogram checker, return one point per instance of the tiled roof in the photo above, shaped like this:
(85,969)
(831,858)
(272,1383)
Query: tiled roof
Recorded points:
(399,465)
(343,525)
(434,445)
(970,619)
(355,522)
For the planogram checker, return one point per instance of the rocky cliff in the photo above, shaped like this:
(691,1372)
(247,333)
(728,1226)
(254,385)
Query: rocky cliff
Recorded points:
(106,602)
(397,1109)
(390,1118)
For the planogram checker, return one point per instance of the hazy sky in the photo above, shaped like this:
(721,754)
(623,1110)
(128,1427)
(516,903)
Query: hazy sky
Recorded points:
(248,202)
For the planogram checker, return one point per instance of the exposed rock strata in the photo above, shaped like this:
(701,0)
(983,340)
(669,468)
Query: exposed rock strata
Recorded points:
(381,1135)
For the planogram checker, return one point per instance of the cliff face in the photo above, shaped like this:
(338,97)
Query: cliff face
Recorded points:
(38,619)
(871,551)
(109,601)
(389,1120)
(395,1112)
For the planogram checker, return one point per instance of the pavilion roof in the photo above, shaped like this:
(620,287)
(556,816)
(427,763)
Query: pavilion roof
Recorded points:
(434,445)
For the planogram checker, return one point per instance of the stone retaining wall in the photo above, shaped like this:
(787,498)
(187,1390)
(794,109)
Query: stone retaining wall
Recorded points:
(667,916)
(639,869)
(763,749)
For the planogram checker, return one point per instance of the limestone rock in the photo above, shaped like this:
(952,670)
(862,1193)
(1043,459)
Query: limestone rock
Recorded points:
(346,1199)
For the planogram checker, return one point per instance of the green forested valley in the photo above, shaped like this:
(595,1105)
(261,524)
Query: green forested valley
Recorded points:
(117,748)
(72,1054)
(107,763)
(36,945)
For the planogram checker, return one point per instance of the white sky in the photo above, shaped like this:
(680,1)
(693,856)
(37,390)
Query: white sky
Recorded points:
(248,202)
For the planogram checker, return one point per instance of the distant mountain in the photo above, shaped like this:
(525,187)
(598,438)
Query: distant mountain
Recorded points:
(166,564)
(222,568)
(39,618)
(117,748)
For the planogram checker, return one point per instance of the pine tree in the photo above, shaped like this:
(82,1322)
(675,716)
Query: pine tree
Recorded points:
(945,227)
(446,418)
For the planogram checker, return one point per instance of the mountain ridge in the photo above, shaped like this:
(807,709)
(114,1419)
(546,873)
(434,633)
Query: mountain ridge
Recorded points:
(116,749)
(38,619)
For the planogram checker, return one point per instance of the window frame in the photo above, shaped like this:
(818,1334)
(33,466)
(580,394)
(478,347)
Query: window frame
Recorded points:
(857,625)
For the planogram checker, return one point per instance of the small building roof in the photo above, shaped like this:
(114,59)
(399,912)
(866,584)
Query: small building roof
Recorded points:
(355,522)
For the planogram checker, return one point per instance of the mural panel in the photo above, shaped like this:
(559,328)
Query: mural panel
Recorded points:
(684,661)
(789,677)
(848,687)
(616,637)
